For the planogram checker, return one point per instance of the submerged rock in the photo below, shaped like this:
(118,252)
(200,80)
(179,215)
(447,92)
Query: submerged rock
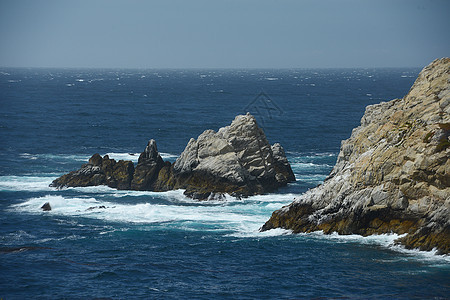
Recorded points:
(392,174)
(46,207)
(237,160)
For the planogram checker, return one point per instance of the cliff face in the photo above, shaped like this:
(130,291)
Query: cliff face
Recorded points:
(392,174)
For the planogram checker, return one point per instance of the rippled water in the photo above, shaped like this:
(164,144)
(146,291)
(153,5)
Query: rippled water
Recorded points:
(98,242)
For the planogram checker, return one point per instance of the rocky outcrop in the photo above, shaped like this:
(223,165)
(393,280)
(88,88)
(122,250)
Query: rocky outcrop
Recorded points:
(237,160)
(46,207)
(391,175)
(147,169)
(99,171)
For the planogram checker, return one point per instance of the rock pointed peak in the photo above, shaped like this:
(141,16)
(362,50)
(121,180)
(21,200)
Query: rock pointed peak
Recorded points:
(96,160)
(150,152)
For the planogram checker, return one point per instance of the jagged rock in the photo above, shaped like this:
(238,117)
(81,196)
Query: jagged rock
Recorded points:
(237,160)
(99,171)
(46,207)
(147,169)
(392,174)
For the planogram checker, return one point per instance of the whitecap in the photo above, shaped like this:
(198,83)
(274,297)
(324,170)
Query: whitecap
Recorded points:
(239,216)
(135,156)
(28,156)
(123,156)
(271,78)
(26,183)
(387,241)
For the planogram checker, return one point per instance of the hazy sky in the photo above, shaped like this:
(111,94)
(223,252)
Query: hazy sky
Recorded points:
(223,34)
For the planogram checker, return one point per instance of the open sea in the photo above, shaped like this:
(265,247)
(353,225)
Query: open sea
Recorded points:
(147,245)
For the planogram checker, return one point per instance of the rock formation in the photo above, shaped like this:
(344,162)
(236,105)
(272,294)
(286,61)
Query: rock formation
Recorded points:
(391,175)
(147,169)
(237,160)
(99,171)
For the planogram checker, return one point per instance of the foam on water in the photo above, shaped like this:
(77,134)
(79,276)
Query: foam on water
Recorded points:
(84,158)
(241,217)
(26,183)
(384,240)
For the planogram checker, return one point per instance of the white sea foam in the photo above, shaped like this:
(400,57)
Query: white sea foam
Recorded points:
(236,218)
(135,156)
(123,156)
(240,217)
(271,78)
(383,240)
(26,183)
(28,156)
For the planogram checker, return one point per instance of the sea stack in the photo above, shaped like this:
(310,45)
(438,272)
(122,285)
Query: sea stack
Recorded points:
(392,175)
(237,160)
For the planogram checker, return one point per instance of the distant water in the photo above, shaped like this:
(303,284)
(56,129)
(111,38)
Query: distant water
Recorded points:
(162,245)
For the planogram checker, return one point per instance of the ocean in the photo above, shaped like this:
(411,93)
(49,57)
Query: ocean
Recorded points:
(148,245)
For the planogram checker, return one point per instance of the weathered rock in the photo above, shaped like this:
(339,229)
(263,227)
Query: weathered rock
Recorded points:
(46,207)
(99,171)
(392,174)
(237,160)
(147,169)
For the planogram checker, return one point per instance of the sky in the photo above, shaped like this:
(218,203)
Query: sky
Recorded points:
(223,34)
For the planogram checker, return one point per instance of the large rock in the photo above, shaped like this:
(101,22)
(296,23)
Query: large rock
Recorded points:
(237,159)
(99,171)
(147,169)
(392,174)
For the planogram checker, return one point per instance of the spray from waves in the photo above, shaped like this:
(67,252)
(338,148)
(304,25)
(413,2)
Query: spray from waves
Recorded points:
(387,241)
(64,158)
(26,183)
(135,156)
(234,216)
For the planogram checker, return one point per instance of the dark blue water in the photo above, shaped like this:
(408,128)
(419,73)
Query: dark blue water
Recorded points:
(163,245)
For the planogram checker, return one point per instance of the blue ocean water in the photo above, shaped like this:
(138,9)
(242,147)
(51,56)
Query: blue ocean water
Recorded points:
(162,245)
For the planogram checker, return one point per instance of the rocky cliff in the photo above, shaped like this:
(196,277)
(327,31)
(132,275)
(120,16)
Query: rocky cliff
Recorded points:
(391,175)
(237,160)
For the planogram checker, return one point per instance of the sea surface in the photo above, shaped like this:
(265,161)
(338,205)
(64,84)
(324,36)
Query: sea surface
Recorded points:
(147,245)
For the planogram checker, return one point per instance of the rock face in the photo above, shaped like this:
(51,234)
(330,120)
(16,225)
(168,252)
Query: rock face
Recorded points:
(237,160)
(147,169)
(391,175)
(99,171)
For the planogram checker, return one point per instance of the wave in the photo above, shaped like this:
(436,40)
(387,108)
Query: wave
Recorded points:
(84,158)
(384,240)
(56,157)
(233,215)
(26,183)
(234,218)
